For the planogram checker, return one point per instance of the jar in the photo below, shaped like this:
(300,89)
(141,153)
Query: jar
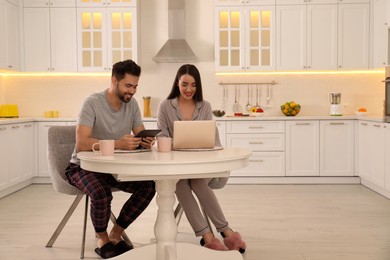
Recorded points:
(147,107)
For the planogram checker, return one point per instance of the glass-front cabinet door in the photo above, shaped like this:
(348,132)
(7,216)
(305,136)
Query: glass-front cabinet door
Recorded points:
(244,38)
(229,39)
(106,36)
(260,38)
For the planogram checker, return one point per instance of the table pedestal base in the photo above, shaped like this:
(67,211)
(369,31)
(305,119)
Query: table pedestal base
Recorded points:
(185,251)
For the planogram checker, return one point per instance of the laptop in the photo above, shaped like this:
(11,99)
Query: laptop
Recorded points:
(198,135)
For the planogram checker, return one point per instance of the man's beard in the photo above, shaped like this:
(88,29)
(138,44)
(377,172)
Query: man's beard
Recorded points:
(123,97)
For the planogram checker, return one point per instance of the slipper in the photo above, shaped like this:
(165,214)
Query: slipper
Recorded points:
(108,250)
(123,247)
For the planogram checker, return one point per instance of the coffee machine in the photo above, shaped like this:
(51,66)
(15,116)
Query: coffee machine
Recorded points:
(335,104)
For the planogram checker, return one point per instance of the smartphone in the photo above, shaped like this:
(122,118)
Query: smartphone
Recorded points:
(148,133)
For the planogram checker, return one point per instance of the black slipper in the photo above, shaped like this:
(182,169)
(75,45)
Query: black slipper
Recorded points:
(123,247)
(108,250)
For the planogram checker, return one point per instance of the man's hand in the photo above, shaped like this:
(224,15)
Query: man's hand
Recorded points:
(128,142)
(147,142)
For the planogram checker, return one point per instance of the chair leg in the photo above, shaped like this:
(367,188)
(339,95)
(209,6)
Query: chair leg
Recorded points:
(63,222)
(124,235)
(84,227)
(178,213)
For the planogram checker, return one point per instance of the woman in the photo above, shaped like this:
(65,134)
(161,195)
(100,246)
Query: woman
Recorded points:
(185,102)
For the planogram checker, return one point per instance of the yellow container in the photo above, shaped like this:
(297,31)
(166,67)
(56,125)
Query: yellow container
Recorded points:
(9,111)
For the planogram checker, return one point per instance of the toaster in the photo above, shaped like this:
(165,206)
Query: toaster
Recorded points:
(9,111)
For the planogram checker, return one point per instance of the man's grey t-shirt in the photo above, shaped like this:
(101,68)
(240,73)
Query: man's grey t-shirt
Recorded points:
(105,122)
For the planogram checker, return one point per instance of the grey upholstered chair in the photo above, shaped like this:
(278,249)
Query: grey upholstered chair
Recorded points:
(215,183)
(61,143)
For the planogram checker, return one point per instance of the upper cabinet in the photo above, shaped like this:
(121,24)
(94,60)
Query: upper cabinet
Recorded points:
(353,35)
(379,40)
(97,3)
(9,35)
(106,36)
(245,37)
(302,35)
(306,36)
(50,42)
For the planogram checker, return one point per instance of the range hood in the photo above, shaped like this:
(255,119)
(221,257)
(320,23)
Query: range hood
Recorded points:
(176,49)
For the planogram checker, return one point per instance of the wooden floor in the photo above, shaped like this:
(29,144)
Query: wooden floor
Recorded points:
(278,222)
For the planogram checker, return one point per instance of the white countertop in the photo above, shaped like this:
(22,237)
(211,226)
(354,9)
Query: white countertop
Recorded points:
(373,118)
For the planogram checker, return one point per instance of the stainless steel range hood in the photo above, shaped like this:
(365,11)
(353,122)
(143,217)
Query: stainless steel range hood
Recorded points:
(176,49)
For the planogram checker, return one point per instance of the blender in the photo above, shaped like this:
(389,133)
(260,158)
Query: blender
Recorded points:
(335,106)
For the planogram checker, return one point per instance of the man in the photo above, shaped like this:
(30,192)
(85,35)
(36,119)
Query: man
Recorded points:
(111,114)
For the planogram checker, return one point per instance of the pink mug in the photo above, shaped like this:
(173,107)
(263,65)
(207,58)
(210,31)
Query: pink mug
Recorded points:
(106,147)
(164,144)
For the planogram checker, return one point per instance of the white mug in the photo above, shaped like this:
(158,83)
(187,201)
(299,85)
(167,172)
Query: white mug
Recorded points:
(106,147)
(164,144)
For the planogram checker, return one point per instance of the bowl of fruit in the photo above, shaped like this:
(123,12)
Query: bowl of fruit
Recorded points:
(362,111)
(218,113)
(256,111)
(290,108)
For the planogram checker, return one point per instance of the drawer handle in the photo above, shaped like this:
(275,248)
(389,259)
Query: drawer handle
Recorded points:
(376,125)
(339,123)
(3,128)
(255,127)
(363,124)
(27,125)
(302,123)
(256,142)
(15,127)
(256,160)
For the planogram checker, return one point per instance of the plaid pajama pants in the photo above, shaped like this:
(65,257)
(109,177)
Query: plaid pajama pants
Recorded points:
(98,187)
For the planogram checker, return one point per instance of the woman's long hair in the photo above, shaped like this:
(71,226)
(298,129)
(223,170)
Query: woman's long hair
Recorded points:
(194,72)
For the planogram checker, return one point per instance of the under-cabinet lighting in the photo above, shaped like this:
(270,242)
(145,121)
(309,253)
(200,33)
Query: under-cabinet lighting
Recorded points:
(257,73)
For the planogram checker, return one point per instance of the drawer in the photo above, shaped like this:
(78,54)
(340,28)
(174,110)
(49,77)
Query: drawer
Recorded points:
(257,142)
(255,127)
(263,164)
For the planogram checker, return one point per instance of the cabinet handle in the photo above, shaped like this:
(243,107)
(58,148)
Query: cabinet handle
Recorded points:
(256,160)
(28,125)
(255,127)
(259,142)
(15,127)
(363,123)
(10,66)
(302,123)
(338,123)
(3,128)
(376,125)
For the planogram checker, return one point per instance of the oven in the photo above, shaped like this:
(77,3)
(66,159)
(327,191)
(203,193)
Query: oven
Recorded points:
(386,104)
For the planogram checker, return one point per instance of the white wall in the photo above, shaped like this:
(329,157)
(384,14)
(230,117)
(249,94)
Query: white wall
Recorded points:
(35,94)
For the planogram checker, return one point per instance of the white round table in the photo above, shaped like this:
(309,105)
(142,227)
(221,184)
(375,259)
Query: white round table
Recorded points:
(166,169)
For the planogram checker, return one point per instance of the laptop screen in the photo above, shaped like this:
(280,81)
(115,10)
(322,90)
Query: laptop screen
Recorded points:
(194,134)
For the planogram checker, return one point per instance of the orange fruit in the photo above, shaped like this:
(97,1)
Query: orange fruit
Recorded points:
(362,109)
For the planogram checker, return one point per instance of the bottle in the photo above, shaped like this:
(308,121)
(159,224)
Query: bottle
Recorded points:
(147,107)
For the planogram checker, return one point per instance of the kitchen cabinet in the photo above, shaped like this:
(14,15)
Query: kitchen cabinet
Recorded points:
(245,37)
(266,140)
(371,152)
(243,2)
(387,156)
(17,156)
(104,3)
(105,36)
(337,148)
(302,148)
(353,35)
(306,36)
(9,32)
(379,42)
(50,42)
